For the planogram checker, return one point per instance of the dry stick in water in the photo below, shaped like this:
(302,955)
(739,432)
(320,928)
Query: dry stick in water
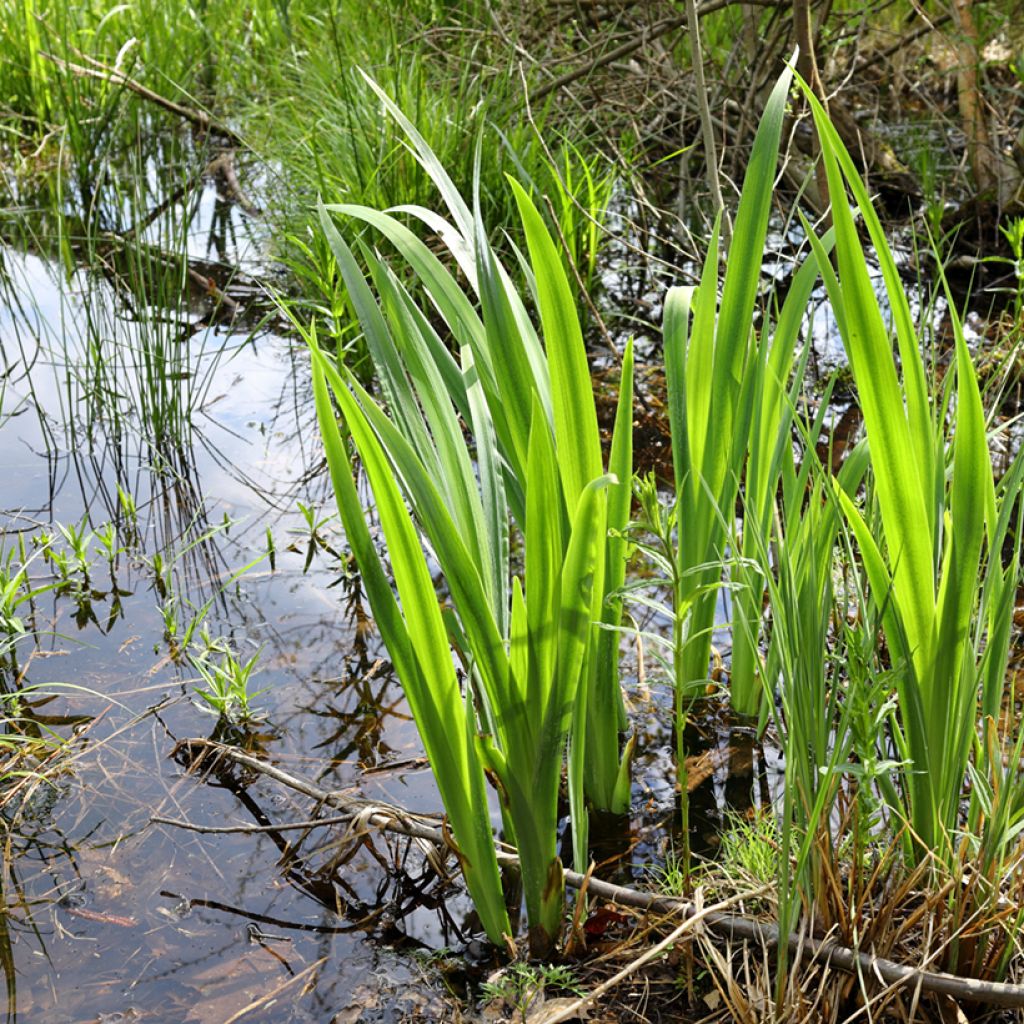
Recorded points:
(731,926)
(223,830)
(276,991)
(223,166)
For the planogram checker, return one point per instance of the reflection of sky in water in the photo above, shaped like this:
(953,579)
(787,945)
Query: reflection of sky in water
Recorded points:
(252,454)
(248,393)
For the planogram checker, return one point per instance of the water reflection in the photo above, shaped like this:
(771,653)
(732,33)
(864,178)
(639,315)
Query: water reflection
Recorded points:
(137,395)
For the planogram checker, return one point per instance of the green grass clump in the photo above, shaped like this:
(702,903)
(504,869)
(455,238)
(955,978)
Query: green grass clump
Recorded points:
(199,54)
(751,847)
(911,532)
(225,684)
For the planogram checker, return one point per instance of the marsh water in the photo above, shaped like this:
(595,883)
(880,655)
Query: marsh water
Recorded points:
(110,391)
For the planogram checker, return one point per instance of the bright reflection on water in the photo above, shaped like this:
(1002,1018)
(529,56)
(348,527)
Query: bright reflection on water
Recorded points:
(108,916)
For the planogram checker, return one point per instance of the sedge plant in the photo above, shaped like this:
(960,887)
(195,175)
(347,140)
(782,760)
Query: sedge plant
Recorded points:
(797,557)
(522,644)
(490,323)
(715,368)
(525,643)
(772,364)
(938,563)
(582,192)
(416,637)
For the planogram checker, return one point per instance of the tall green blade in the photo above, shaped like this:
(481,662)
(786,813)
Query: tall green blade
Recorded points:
(419,652)
(904,493)
(607,772)
(572,397)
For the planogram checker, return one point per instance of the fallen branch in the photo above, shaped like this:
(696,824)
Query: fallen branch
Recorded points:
(224,830)
(199,118)
(371,813)
(430,829)
(225,308)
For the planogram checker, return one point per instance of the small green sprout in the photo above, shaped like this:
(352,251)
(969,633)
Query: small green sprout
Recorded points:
(227,685)
(521,985)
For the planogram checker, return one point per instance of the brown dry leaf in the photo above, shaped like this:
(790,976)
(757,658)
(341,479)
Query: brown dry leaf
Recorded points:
(951,1012)
(551,1008)
(363,998)
(701,767)
(713,999)
(106,880)
(128,643)
(166,660)
(494,1011)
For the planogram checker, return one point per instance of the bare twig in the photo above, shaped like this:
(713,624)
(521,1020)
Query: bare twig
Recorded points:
(723,925)
(386,816)
(875,57)
(199,118)
(223,166)
(221,830)
(648,34)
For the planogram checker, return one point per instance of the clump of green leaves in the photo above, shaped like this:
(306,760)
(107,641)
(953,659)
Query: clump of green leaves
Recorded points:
(751,847)
(538,668)
(522,986)
(728,414)
(226,683)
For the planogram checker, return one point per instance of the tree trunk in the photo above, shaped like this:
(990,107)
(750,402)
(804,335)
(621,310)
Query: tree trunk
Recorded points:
(984,161)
